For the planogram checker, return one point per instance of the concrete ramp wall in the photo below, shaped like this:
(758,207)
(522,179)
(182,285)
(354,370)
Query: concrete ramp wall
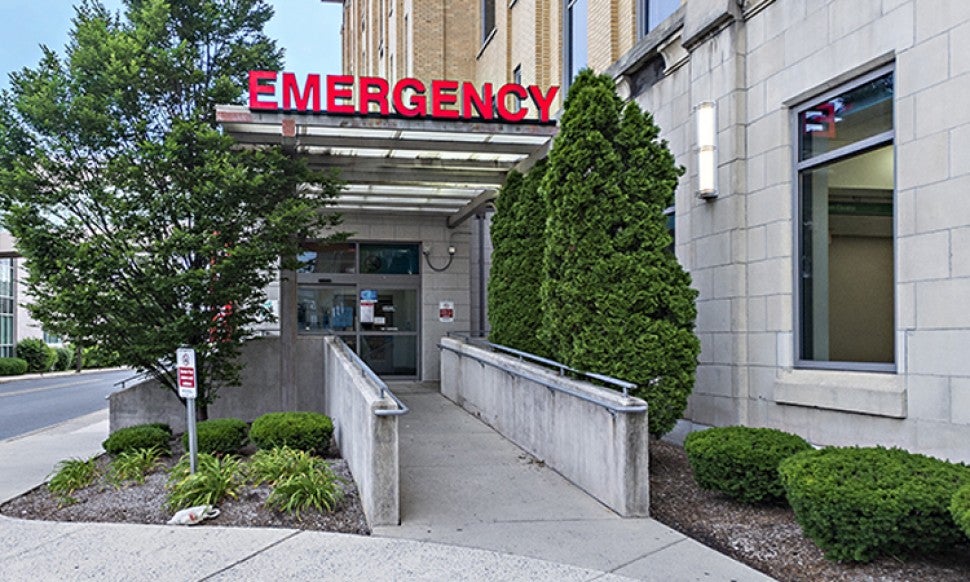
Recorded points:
(367,441)
(260,391)
(604,452)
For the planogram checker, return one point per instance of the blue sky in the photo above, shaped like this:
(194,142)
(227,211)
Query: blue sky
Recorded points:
(309,30)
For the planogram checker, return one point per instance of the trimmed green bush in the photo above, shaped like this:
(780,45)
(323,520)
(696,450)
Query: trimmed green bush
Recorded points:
(517,234)
(161,425)
(960,508)
(142,436)
(614,300)
(12,366)
(98,357)
(39,356)
(860,503)
(305,431)
(742,461)
(219,436)
(64,357)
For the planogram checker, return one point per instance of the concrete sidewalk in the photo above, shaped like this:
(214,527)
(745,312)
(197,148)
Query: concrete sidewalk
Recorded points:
(462,483)
(475,507)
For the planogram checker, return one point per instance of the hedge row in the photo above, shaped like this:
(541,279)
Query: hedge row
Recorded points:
(855,503)
(306,431)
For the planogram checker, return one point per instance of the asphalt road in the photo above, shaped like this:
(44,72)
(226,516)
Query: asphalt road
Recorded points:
(28,405)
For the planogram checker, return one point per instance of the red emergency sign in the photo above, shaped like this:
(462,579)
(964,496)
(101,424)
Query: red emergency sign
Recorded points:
(409,97)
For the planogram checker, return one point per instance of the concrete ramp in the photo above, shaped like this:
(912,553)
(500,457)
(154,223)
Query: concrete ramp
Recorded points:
(464,484)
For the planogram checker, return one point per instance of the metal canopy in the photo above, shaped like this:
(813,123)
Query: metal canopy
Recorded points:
(399,165)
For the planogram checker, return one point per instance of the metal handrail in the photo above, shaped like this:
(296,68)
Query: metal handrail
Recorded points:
(385,392)
(613,408)
(126,380)
(563,368)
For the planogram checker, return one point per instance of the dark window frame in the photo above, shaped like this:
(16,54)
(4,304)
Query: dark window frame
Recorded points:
(802,166)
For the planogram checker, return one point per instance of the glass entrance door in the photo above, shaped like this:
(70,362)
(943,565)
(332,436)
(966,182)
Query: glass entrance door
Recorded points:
(369,295)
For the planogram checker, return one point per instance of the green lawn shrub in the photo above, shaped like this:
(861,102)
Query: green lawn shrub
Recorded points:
(143,436)
(64,358)
(305,431)
(860,503)
(39,356)
(98,357)
(960,508)
(219,436)
(742,461)
(12,366)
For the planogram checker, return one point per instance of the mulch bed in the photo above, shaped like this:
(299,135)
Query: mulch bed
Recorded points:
(767,537)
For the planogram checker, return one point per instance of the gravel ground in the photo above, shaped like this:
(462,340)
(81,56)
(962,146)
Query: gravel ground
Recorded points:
(764,537)
(144,503)
(767,537)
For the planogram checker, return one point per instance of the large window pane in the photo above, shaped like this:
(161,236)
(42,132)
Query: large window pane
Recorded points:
(392,310)
(846,282)
(390,355)
(326,309)
(577,36)
(389,259)
(328,258)
(653,12)
(849,117)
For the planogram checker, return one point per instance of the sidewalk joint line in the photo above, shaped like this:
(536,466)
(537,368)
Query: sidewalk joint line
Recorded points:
(251,556)
(660,549)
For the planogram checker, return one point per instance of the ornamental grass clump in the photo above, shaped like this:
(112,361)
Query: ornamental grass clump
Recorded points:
(215,478)
(143,436)
(741,461)
(860,503)
(305,431)
(134,465)
(317,489)
(71,475)
(219,436)
(277,464)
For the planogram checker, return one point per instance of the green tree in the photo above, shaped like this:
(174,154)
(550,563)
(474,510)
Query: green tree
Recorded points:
(516,273)
(614,300)
(143,227)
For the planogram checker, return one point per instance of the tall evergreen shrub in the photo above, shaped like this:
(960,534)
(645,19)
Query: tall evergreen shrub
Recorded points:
(613,299)
(516,273)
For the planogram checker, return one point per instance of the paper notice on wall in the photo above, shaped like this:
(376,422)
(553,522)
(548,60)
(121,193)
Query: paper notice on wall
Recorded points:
(366,312)
(446,311)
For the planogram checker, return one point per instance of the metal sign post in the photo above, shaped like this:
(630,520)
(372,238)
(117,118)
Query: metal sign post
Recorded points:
(188,389)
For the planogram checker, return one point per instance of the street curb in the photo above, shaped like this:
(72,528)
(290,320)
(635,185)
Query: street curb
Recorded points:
(7,379)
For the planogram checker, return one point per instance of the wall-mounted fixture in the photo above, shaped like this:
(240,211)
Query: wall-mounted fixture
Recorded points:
(705,116)
(427,258)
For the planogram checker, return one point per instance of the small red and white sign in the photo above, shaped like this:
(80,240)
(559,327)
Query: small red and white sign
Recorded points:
(185,360)
(446,311)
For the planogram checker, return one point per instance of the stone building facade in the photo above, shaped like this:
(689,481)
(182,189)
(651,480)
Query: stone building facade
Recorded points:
(833,256)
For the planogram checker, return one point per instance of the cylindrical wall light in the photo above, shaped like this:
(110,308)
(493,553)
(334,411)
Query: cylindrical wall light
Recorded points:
(705,115)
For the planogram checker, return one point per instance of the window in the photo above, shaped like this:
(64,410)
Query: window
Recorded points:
(576,37)
(488,18)
(845,284)
(6,307)
(651,13)
(367,293)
